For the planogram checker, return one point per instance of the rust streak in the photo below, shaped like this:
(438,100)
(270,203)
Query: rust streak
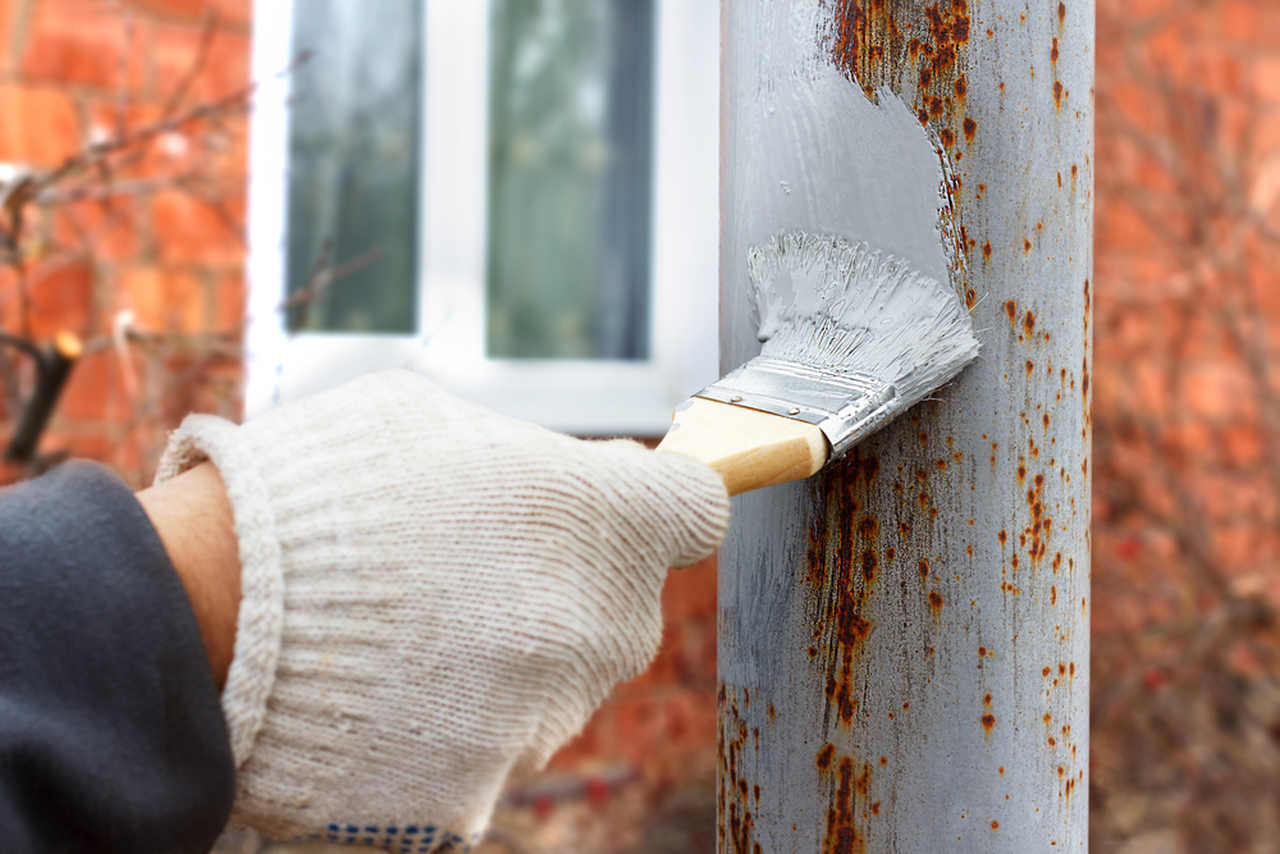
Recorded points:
(920,56)
(843,836)
(842,566)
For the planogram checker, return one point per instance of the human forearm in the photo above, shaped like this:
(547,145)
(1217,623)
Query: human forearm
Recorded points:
(194,520)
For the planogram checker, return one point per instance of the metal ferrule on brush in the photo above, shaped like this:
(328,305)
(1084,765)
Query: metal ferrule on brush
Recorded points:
(844,405)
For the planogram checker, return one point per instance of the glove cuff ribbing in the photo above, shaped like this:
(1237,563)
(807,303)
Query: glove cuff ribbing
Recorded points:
(260,623)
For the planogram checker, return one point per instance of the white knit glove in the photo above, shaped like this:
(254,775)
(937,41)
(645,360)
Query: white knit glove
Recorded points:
(434,596)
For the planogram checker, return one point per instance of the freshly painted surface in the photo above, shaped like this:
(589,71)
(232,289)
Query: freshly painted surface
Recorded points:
(822,153)
(904,638)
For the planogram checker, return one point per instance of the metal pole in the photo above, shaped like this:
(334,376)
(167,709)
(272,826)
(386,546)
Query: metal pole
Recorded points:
(904,640)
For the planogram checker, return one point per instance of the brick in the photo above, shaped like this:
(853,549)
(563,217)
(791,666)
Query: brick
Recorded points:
(38,124)
(1264,281)
(108,231)
(230,12)
(6,39)
(229,307)
(1266,130)
(1242,444)
(174,49)
(85,445)
(189,230)
(1121,225)
(238,12)
(1131,99)
(81,41)
(9,472)
(94,388)
(1249,22)
(1167,49)
(190,9)
(61,294)
(1218,392)
(163,300)
(1266,79)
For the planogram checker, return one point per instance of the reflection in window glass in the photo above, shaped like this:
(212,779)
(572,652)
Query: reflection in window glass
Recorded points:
(353,163)
(569,182)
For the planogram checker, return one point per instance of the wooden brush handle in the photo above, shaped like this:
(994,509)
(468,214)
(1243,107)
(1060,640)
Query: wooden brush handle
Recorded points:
(750,449)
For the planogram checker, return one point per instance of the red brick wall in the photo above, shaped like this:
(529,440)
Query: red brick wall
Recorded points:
(73,72)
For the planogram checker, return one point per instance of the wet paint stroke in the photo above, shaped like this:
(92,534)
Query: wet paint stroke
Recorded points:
(802,170)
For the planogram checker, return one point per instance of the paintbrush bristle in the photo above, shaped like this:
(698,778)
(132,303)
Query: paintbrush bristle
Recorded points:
(827,303)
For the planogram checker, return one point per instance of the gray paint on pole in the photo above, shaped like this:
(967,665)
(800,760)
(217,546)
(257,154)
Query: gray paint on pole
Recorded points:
(904,638)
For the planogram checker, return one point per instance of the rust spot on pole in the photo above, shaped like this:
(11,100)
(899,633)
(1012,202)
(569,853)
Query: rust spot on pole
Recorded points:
(825,755)
(843,836)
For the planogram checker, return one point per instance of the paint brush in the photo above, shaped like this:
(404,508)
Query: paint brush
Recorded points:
(853,337)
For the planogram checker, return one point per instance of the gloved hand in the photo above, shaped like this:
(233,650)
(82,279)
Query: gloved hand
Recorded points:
(434,596)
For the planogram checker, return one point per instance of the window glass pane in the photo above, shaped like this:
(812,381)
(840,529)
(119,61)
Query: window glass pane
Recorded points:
(353,163)
(569,183)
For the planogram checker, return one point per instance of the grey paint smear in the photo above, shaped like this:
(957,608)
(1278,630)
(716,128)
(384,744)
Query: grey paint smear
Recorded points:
(802,174)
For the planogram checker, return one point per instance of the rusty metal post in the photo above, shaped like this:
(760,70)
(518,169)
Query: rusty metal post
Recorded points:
(904,641)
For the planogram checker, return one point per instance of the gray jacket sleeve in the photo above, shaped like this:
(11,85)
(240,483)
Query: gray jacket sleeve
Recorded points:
(111,735)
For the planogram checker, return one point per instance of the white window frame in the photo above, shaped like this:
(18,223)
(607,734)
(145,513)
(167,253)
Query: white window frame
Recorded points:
(588,397)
